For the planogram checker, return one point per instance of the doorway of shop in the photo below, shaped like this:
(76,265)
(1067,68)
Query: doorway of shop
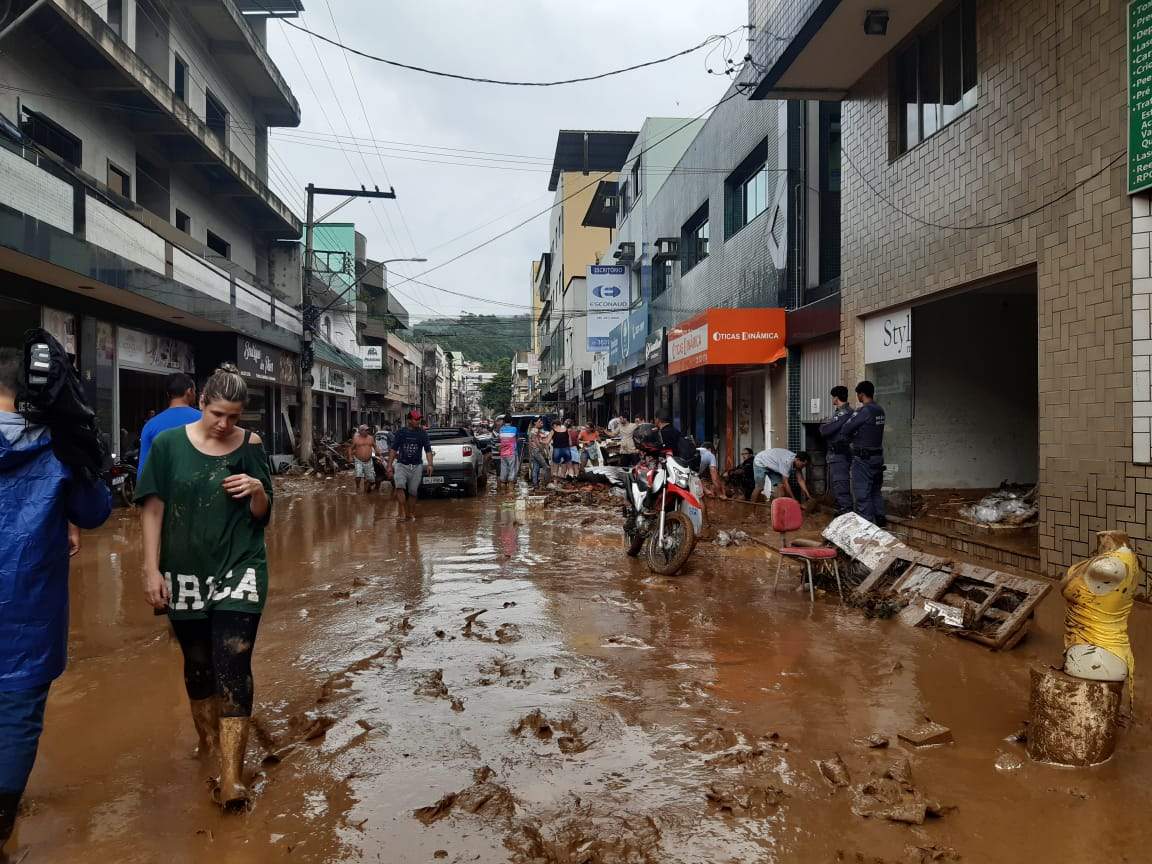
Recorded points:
(142,396)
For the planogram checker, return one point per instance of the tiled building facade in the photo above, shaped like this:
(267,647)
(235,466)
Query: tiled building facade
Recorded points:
(1027,187)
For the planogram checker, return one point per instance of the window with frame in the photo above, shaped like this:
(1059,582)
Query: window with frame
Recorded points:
(747,191)
(116,16)
(183,222)
(637,170)
(662,277)
(625,200)
(218,245)
(119,181)
(694,239)
(180,79)
(215,116)
(934,75)
(52,137)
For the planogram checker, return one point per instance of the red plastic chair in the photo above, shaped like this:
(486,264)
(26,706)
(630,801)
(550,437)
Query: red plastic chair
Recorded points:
(787,516)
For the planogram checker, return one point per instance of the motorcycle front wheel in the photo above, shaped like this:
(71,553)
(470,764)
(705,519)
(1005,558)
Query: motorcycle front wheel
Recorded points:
(667,557)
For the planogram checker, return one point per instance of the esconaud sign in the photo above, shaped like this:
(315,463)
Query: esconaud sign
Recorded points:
(727,337)
(608,301)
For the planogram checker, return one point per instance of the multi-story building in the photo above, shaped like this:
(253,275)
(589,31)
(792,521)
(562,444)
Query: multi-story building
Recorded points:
(582,159)
(622,381)
(136,220)
(522,379)
(986,211)
(378,314)
(435,390)
(725,241)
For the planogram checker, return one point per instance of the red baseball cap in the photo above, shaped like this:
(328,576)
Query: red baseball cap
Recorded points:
(415,415)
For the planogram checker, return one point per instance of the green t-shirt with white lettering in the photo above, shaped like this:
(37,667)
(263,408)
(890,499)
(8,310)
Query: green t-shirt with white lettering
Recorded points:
(212,550)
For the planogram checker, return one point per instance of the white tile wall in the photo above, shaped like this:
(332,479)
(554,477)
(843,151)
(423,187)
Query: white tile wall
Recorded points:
(253,300)
(30,190)
(111,230)
(1142,328)
(202,276)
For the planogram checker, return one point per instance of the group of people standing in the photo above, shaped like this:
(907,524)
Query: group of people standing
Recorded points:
(855,439)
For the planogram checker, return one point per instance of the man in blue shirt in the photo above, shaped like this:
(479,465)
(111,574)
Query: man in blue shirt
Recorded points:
(409,447)
(180,412)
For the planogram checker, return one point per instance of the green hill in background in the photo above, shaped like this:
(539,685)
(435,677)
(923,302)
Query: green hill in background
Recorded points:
(483,338)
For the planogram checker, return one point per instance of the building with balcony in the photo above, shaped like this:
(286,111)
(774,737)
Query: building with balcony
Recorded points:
(136,220)
(987,212)
(582,160)
(378,314)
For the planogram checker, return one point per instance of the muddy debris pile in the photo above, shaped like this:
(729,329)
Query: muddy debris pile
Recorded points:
(583,837)
(754,795)
(504,669)
(432,685)
(580,495)
(893,796)
(484,798)
(567,733)
(912,855)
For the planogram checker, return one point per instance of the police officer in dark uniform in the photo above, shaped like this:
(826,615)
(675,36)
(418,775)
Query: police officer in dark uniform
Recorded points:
(839,451)
(864,432)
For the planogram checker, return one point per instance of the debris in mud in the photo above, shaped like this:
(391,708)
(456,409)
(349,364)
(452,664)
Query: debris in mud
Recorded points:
(508,604)
(440,853)
(470,620)
(835,772)
(875,741)
(930,854)
(439,634)
(1020,736)
(457,704)
(752,795)
(875,606)
(928,735)
(433,686)
(625,642)
(514,675)
(584,838)
(713,740)
(318,728)
(557,672)
(358,582)
(1008,762)
(738,757)
(507,633)
(483,798)
(571,741)
(892,796)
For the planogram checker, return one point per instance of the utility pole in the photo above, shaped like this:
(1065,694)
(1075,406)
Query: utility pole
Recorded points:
(310,313)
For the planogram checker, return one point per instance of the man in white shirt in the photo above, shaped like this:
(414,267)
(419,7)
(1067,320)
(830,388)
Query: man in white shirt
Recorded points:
(781,466)
(709,470)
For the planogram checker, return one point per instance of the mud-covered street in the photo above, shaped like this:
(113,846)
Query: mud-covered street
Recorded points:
(590,713)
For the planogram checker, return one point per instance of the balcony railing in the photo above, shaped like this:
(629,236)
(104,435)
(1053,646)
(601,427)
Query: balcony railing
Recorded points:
(110,239)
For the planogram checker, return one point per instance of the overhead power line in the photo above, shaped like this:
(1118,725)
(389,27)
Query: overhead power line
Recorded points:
(477,79)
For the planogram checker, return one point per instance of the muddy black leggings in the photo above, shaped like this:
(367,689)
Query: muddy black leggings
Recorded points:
(218,658)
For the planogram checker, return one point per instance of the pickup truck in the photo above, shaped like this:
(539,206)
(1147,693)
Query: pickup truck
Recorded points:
(459,462)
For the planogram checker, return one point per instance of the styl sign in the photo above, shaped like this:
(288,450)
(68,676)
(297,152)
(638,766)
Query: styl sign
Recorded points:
(888,336)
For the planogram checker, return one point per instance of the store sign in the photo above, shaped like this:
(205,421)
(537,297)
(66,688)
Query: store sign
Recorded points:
(331,380)
(264,363)
(599,369)
(640,380)
(654,348)
(727,337)
(150,353)
(1139,95)
(609,297)
(372,356)
(616,339)
(888,336)
(637,330)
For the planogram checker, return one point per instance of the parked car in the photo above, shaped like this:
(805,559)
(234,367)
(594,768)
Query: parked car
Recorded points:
(459,462)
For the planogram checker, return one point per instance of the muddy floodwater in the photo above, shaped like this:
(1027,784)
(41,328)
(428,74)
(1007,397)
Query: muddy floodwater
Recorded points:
(590,714)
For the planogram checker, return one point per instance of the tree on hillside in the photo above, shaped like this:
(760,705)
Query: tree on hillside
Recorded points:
(483,338)
(496,395)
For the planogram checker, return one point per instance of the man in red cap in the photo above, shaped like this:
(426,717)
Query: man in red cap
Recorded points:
(405,458)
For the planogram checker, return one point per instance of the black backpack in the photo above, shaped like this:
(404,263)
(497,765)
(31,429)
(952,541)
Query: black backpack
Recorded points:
(688,452)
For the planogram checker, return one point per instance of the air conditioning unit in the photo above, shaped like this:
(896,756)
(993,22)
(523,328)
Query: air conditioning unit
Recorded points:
(611,202)
(667,249)
(625,252)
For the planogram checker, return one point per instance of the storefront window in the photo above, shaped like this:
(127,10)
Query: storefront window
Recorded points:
(894,393)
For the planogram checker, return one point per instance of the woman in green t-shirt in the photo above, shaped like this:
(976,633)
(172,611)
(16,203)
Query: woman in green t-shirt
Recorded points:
(207,496)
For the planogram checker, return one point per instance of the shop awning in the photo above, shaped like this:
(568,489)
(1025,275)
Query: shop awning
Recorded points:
(333,356)
(727,337)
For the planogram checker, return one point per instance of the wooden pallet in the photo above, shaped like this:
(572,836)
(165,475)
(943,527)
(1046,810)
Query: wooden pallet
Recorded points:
(989,607)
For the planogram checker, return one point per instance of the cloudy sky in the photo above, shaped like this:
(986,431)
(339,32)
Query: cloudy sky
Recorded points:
(365,122)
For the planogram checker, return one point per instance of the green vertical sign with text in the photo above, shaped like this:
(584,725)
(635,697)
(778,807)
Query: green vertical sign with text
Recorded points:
(1139,95)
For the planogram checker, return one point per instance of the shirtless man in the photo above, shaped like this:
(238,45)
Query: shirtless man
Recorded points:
(363,450)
